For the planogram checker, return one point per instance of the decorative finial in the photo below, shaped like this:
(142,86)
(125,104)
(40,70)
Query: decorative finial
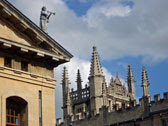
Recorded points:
(117,80)
(95,68)
(79,80)
(65,80)
(130,82)
(130,74)
(94,48)
(117,75)
(112,80)
(145,82)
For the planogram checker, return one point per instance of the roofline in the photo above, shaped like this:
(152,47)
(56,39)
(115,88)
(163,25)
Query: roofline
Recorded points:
(37,28)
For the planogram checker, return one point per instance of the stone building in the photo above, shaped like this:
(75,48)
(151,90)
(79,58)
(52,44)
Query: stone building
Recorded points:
(100,105)
(27,58)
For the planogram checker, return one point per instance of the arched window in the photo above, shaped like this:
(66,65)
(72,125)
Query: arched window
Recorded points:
(16,112)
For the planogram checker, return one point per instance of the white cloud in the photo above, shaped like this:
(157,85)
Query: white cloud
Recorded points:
(72,67)
(123,64)
(116,11)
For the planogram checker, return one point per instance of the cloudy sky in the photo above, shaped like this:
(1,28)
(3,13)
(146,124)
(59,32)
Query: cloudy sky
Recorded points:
(125,32)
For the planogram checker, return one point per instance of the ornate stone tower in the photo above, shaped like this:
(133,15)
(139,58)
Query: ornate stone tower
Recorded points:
(146,99)
(79,84)
(130,82)
(67,109)
(96,79)
(145,83)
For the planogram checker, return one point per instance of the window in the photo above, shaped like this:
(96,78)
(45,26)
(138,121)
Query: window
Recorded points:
(13,117)
(40,108)
(16,111)
(164,123)
(24,66)
(8,62)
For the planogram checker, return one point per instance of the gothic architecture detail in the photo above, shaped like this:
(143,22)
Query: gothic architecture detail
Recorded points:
(95,68)
(130,82)
(145,83)
(66,94)
(112,105)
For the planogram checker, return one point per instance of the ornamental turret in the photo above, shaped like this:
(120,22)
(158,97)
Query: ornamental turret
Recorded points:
(130,82)
(66,94)
(96,79)
(145,83)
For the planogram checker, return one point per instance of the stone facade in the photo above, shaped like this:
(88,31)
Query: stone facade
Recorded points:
(27,58)
(101,105)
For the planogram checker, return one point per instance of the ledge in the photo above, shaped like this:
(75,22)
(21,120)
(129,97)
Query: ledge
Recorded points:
(27,77)
(26,49)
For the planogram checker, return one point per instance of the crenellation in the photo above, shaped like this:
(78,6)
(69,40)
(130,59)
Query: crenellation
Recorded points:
(165,95)
(141,101)
(157,97)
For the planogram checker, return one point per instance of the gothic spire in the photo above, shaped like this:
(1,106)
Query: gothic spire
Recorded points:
(130,73)
(130,82)
(145,82)
(65,79)
(112,81)
(79,80)
(117,80)
(95,68)
(65,85)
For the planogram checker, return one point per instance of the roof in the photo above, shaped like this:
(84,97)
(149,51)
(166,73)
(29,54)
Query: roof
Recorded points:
(35,32)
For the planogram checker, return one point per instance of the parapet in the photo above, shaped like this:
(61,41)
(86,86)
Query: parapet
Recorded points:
(133,103)
(165,95)
(157,97)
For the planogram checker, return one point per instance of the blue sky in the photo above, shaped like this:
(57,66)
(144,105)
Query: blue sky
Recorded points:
(124,31)
(80,8)
(156,72)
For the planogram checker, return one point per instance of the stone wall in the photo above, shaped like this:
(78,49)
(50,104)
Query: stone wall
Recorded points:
(22,84)
(130,116)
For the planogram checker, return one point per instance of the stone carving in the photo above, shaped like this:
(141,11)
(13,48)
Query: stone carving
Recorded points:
(44,18)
